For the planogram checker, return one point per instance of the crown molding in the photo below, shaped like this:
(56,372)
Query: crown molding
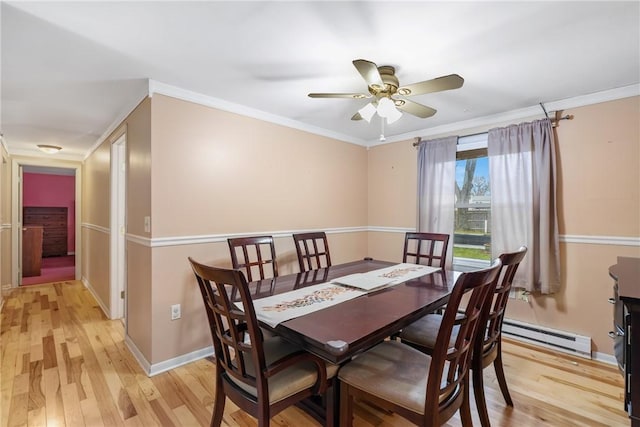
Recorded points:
(221,104)
(155,86)
(522,113)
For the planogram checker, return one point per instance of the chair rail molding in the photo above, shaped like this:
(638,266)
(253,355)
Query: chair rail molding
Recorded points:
(217,238)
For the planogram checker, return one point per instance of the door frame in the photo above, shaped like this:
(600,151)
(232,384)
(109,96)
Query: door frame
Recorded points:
(16,210)
(118,225)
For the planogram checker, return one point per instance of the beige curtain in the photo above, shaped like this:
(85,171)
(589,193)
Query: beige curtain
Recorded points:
(436,188)
(522,169)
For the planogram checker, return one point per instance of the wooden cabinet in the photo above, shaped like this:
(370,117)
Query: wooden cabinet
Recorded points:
(627,330)
(54,225)
(31,250)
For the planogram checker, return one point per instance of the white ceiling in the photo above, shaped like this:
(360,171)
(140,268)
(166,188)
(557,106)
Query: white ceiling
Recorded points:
(72,69)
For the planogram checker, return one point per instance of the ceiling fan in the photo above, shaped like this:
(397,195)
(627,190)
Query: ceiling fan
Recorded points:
(383,85)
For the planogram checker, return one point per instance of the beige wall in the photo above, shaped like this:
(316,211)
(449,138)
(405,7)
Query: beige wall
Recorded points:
(598,194)
(95,222)
(139,262)
(220,173)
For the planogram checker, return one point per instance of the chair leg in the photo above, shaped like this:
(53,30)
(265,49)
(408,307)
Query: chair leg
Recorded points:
(478,391)
(465,409)
(497,364)
(346,406)
(218,407)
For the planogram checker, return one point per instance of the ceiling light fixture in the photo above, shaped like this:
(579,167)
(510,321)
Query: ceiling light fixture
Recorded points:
(386,109)
(367,112)
(49,149)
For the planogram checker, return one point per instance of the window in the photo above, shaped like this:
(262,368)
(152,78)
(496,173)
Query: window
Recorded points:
(472,223)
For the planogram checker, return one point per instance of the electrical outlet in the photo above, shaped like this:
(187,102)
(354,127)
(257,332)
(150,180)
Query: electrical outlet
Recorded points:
(175,312)
(147,224)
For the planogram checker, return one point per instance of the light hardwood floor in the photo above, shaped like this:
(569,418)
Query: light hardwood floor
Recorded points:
(64,364)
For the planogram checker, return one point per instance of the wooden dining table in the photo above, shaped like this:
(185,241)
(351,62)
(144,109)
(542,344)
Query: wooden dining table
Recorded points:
(339,332)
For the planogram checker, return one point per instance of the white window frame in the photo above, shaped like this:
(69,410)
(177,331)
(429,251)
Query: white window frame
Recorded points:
(468,143)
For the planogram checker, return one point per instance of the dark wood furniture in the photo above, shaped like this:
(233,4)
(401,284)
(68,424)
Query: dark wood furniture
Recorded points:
(312,250)
(261,376)
(339,332)
(422,334)
(253,255)
(54,224)
(425,389)
(626,334)
(31,250)
(426,249)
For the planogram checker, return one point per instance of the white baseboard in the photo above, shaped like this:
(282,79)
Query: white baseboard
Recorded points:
(137,354)
(609,359)
(169,364)
(103,307)
(166,365)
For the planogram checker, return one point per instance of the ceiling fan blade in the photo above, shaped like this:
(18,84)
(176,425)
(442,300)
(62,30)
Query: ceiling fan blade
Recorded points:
(369,72)
(356,116)
(414,108)
(452,81)
(339,95)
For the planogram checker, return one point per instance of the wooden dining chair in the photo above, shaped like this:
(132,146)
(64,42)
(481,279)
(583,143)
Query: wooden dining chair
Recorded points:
(425,389)
(422,334)
(261,376)
(255,256)
(426,248)
(313,250)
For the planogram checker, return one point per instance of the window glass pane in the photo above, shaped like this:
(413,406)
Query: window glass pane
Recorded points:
(472,235)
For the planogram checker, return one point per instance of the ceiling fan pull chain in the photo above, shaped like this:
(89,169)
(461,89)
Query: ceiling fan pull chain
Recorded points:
(382,138)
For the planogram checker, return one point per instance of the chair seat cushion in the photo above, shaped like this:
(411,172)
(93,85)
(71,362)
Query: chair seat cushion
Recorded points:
(424,332)
(290,381)
(391,371)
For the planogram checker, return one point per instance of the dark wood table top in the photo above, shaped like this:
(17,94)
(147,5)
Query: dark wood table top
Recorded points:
(339,332)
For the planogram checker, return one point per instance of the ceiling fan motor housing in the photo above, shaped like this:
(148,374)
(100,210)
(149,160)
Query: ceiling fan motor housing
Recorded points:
(388,76)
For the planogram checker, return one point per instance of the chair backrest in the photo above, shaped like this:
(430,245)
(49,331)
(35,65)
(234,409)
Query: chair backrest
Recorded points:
(312,250)
(498,302)
(230,326)
(256,256)
(426,248)
(450,365)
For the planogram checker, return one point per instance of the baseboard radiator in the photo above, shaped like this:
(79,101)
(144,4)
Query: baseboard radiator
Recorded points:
(553,339)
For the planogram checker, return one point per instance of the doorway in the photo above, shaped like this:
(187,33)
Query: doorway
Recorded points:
(48,224)
(43,166)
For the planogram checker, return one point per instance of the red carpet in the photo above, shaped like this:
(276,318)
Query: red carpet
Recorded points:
(54,269)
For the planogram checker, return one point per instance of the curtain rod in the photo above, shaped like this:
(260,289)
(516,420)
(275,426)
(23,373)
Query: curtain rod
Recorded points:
(554,122)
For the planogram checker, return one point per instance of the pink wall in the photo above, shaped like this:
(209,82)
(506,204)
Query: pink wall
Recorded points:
(53,191)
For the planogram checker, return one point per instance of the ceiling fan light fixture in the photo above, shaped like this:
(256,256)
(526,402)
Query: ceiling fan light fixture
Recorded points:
(388,110)
(367,112)
(49,149)
(393,116)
